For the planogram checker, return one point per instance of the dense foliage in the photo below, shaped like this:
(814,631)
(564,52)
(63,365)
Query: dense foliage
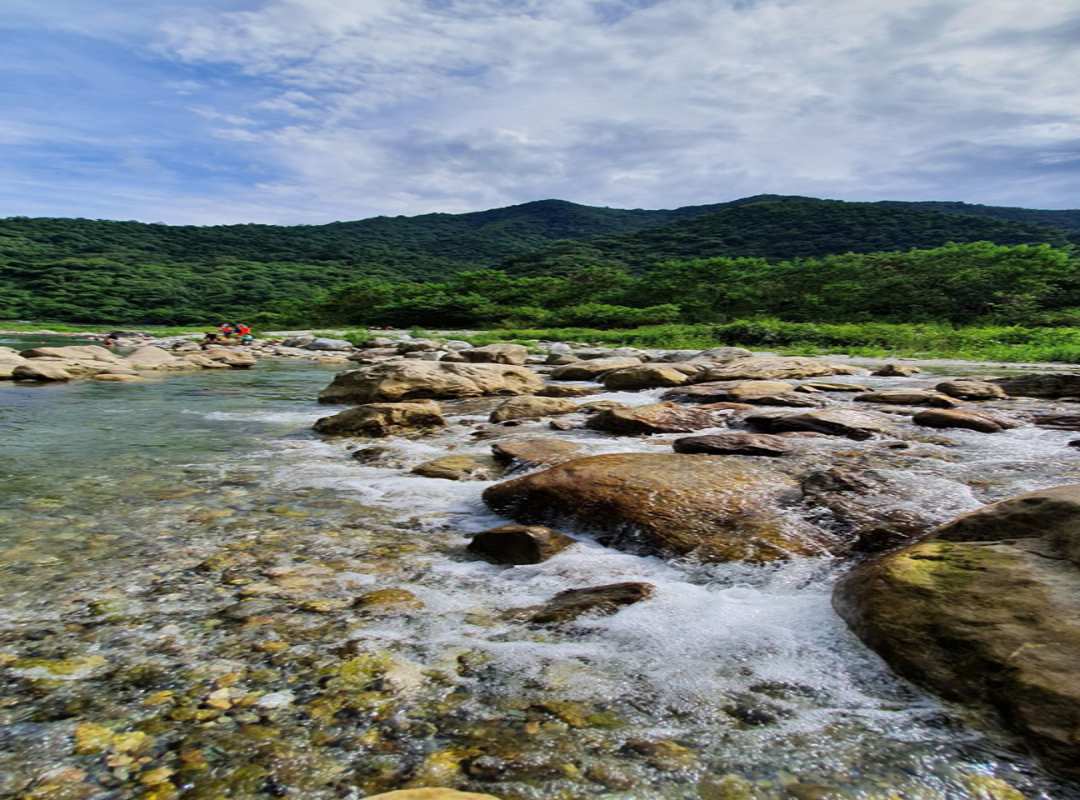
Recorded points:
(130,272)
(957,283)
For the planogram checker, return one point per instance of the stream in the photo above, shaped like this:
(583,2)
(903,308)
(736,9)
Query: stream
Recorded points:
(179,560)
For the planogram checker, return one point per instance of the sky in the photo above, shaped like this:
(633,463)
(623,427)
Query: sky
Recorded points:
(309,111)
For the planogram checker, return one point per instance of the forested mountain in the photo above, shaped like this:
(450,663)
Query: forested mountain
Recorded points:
(106,271)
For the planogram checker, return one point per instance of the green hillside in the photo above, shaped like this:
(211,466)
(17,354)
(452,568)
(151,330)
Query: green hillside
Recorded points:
(82,270)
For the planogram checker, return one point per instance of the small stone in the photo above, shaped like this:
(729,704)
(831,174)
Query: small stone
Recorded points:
(388,600)
(519,544)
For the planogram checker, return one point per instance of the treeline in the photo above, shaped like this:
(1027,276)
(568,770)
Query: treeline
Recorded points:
(956,283)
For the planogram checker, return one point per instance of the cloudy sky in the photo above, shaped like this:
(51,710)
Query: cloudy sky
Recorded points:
(206,111)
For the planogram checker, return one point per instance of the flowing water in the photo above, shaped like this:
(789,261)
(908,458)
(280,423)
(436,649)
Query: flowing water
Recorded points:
(178,561)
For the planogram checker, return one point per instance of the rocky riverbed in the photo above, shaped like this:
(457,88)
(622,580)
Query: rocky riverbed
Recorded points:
(608,576)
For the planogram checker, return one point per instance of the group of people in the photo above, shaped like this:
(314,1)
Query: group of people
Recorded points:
(230,332)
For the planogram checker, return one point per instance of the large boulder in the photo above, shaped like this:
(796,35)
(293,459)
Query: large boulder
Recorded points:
(736,443)
(519,544)
(532,407)
(768,393)
(229,356)
(718,507)
(406,380)
(85,352)
(592,369)
(535,451)
(654,418)
(831,421)
(971,390)
(987,612)
(151,358)
(9,359)
(1050,385)
(775,368)
(383,419)
(322,343)
(502,353)
(646,376)
(722,354)
(896,370)
(964,418)
(907,397)
(41,371)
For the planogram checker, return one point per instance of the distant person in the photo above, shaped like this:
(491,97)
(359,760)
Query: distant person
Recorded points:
(243,330)
(111,340)
(209,339)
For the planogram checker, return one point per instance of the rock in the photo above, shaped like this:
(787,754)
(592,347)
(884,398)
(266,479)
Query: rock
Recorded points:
(561,425)
(88,352)
(857,425)
(963,418)
(388,600)
(535,451)
(774,368)
(592,369)
(653,418)
(826,386)
(41,372)
(601,405)
(378,456)
(151,358)
(896,370)
(558,360)
(416,345)
(1049,385)
(770,393)
(987,612)
(321,343)
(971,390)
(503,353)
(117,377)
(1060,422)
(230,356)
(430,355)
(300,341)
(519,544)
(455,468)
(722,508)
(383,419)
(456,345)
(646,376)
(907,397)
(560,349)
(560,390)
(532,407)
(202,362)
(722,354)
(430,794)
(573,603)
(677,355)
(393,381)
(734,444)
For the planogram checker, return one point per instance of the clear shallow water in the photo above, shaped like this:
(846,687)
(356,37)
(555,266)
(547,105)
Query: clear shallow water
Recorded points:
(178,558)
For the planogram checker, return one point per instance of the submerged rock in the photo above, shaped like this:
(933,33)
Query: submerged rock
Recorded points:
(964,418)
(734,443)
(519,544)
(532,407)
(535,451)
(393,381)
(987,612)
(721,508)
(383,419)
(654,418)
(573,603)
(832,421)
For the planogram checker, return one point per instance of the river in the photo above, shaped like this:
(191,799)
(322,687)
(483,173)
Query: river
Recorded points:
(178,560)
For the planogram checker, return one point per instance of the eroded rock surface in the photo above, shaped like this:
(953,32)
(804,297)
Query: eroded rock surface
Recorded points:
(394,381)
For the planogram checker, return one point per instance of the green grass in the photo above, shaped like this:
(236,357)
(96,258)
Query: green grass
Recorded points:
(985,343)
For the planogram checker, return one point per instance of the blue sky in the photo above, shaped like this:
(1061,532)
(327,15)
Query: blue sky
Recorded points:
(307,111)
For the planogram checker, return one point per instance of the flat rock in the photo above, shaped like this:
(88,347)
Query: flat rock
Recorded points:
(654,418)
(501,353)
(86,352)
(775,368)
(455,468)
(1049,384)
(592,369)
(721,354)
(519,544)
(42,372)
(1060,422)
(532,407)
(831,421)
(907,397)
(565,390)
(971,390)
(151,358)
(734,444)
(393,381)
(896,370)
(646,376)
(722,508)
(964,418)
(535,451)
(770,393)
(383,419)
(986,612)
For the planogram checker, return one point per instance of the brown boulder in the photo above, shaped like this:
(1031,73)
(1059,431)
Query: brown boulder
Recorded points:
(768,393)
(963,418)
(971,390)
(532,407)
(455,468)
(230,356)
(722,508)
(41,371)
(573,603)
(392,381)
(560,390)
(501,353)
(646,376)
(592,369)
(832,421)
(653,418)
(1050,385)
(896,371)
(907,397)
(1060,422)
(535,451)
(519,544)
(987,612)
(774,368)
(383,419)
(734,444)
